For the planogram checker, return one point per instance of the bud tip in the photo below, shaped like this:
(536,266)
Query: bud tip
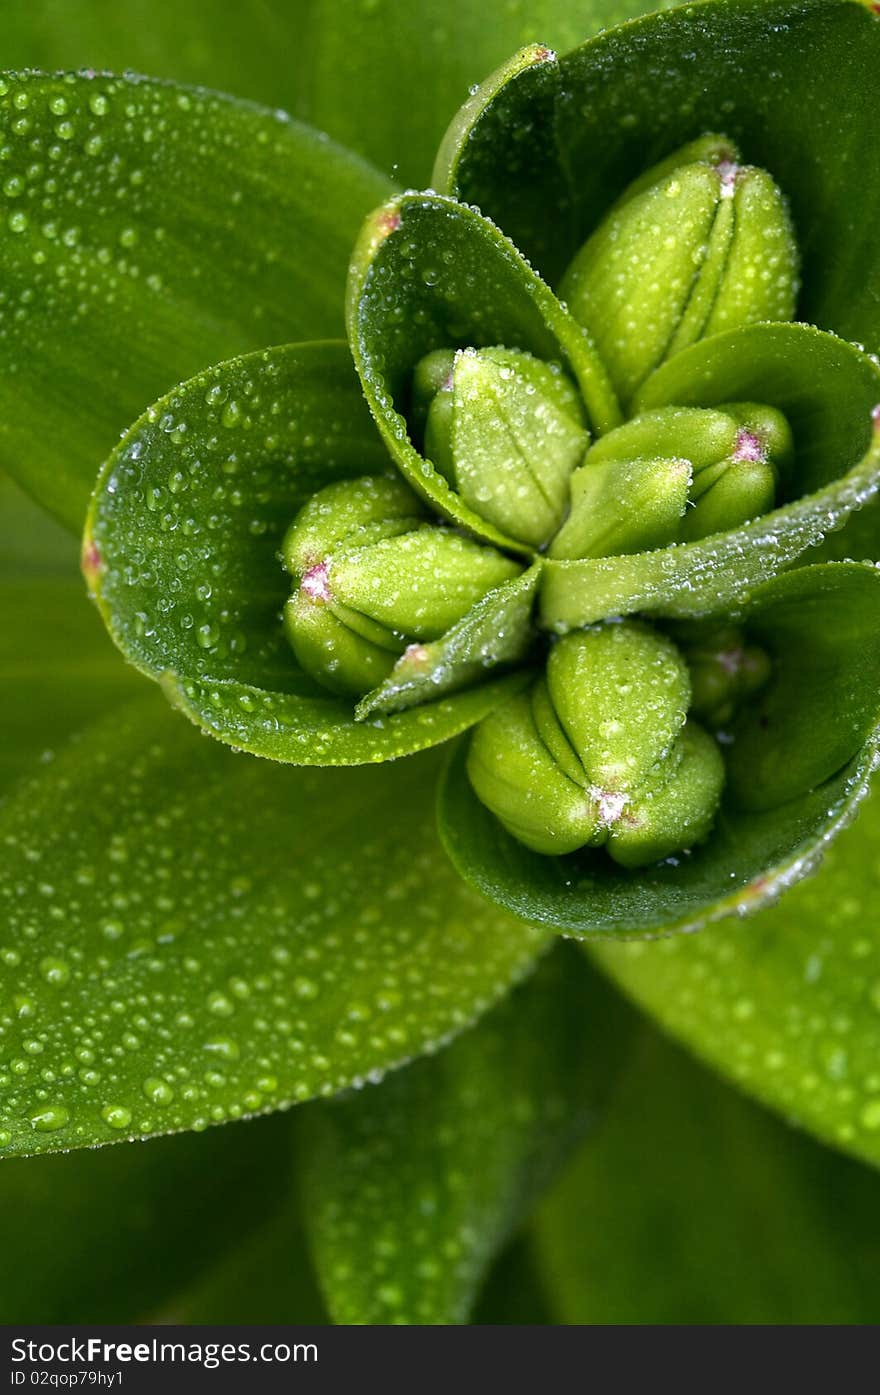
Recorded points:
(316,582)
(728,171)
(610,806)
(749,447)
(875,417)
(415,654)
(91,561)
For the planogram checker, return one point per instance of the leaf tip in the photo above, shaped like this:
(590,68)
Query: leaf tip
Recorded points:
(90,562)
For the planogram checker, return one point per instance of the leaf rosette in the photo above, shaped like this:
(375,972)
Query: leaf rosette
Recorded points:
(594,426)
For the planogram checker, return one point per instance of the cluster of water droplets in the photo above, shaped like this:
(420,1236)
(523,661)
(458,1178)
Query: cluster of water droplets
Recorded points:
(178,967)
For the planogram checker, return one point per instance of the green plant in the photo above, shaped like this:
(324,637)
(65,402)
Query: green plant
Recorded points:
(191,935)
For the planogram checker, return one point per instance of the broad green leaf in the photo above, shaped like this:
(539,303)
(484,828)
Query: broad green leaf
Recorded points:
(497,630)
(429,273)
(57,669)
(191,936)
(787,1005)
(828,390)
(182,550)
(691,1206)
(410,1190)
(631,96)
(149,230)
(797,770)
(113,1236)
(384,77)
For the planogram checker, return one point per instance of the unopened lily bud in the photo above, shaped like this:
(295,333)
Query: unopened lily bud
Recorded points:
(374,577)
(698,245)
(507,430)
(676,474)
(600,753)
(621,506)
(725,671)
(678,810)
(538,797)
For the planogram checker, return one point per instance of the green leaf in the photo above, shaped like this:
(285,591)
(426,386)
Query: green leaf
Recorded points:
(112,1236)
(788,1005)
(351,68)
(631,96)
(149,230)
(672,1243)
(410,1191)
(31,543)
(182,548)
(191,936)
(828,390)
(429,273)
(57,669)
(795,777)
(497,630)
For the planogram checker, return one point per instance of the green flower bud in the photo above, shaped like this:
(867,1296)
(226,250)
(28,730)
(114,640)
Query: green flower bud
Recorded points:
(600,753)
(620,506)
(678,810)
(725,671)
(506,430)
(676,474)
(698,245)
(374,577)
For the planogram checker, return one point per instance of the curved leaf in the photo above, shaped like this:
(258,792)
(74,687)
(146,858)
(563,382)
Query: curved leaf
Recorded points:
(822,625)
(429,273)
(149,230)
(721,1172)
(182,550)
(113,1236)
(350,68)
(410,1191)
(190,936)
(829,391)
(632,95)
(788,1005)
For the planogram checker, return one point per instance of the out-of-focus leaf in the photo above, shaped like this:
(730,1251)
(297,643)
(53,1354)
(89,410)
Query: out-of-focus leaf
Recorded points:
(513,1294)
(31,543)
(691,1206)
(410,1190)
(147,231)
(182,548)
(111,1236)
(267,1278)
(795,777)
(788,1004)
(350,66)
(190,936)
(57,670)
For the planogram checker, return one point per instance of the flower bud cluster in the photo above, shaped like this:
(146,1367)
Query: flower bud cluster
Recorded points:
(605,748)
